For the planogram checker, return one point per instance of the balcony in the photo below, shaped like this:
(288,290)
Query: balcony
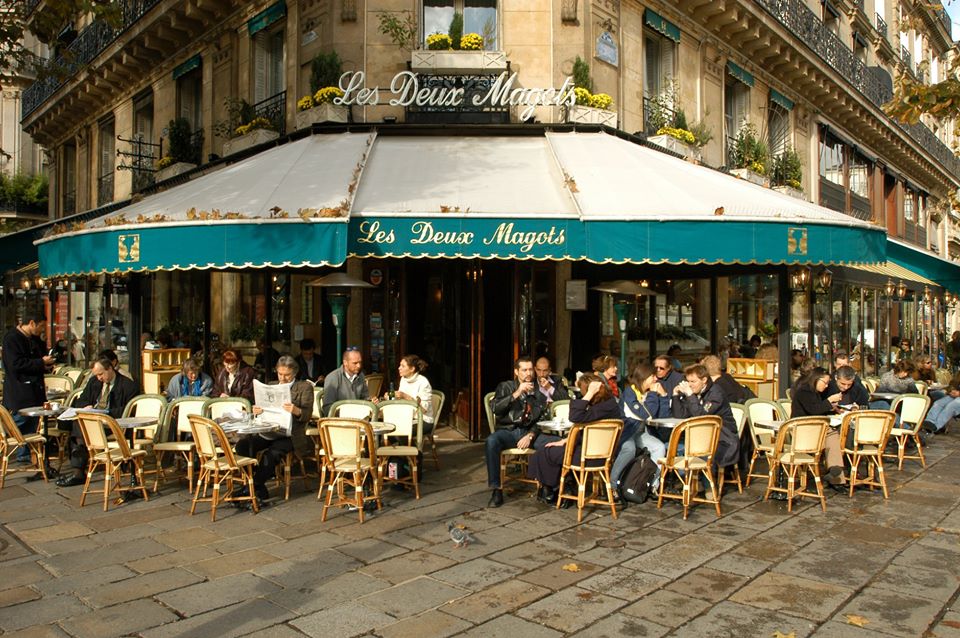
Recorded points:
(881,27)
(804,24)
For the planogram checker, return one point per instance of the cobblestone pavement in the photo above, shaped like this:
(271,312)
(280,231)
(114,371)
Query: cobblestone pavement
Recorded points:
(865,567)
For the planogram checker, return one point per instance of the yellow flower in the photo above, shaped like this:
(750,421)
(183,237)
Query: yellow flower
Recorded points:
(326,95)
(255,123)
(471,42)
(757,167)
(601,101)
(439,42)
(683,135)
(165,161)
(583,96)
(305,103)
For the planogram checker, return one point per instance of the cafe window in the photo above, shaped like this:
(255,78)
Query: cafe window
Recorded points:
(859,175)
(909,204)
(479,16)
(683,317)
(106,161)
(751,308)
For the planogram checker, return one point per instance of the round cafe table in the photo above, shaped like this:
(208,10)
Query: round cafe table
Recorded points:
(44,414)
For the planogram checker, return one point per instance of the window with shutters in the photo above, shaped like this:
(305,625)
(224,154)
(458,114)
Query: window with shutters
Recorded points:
(831,18)
(268,49)
(479,16)
(189,97)
(659,71)
(778,129)
(908,204)
(106,162)
(736,106)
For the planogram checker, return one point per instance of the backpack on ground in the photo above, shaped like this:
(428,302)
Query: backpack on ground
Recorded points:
(636,480)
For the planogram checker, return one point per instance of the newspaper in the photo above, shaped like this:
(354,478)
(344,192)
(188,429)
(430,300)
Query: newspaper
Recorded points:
(271,399)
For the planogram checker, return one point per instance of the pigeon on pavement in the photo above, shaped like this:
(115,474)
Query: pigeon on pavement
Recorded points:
(459,535)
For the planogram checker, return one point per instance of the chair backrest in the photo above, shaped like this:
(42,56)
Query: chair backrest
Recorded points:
(921,387)
(943,376)
(701,434)
(185,406)
(599,440)
(8,428)
(317,412)
(560,409)
(802,435)
(787,406)
(58,382)
(354,409)
(406,417)
(72,373)
(488,410)
(912,409)
(870,383)
(788,393)
(203,435)
(215,408)
(870,427)
(439,398)
(92,430)
(374,383)
(84,377)
(154,405)
(343,440)
(764,410)
(71,398)
(108,423)
(739,415)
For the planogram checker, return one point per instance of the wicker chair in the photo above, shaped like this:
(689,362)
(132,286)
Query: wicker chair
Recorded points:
(700,435)
(798,449)
(598,440)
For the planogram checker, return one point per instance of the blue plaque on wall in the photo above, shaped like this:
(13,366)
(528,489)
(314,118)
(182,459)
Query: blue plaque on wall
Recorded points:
(607,49)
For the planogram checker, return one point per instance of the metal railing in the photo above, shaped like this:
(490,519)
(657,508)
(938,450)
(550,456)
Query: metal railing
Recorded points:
(808,28)
(945,20)
(649,112)
(906,57)
(105,189)
(89,43)
(69,203)
(196,147)
(274,109)
(881,26)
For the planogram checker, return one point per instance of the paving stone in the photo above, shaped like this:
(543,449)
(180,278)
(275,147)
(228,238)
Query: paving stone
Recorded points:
(186,538)
(680,556)
(232,563)
(771,551)
(312,568)
(793,595)
(624,583)
(84,580)
(304,545)
(738,564)
(842,629)
(119,620)
(867,533)
(618,625)
(120,553)
(126,516)
(934,552)
(850,564)
(570,609)
(257,540)
(406,566)
(432,624)
(59,531)
(524,556)
(17,595)
(143,586)
(708,584)
(511,626)
(948,626)
(344,621)
(666,608)
(476,574)
(273,631)
(895,613)
(38,631)
(500,599)
(236,620)
(556,578)
(371,550)
(926,583)
(730,619)
(491,541)
(37,612)
(380,523)
(171,559)
(315,594)
(202,597)
(26,573)
(412,597)
(68,545)
(578,539)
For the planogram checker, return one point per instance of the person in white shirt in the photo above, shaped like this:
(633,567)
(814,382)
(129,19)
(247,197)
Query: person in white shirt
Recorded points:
(415,387)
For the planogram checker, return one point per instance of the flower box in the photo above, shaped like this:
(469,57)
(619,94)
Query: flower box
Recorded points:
(173,170)
(791,191)
(750,176)
(589,115)
(325,112)
(253,138)
(671,143)
(462,62)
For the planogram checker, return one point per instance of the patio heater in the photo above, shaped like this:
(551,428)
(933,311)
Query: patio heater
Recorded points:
(339,286)
(625,292)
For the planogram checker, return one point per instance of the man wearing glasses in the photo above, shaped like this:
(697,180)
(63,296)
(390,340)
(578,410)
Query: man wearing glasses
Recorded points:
(666,374)
(346,382)
(517,406)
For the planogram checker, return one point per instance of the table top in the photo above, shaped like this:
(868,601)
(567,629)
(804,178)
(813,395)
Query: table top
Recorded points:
(40,411)
(769,424)
(132,422)
(56,393)
(664,422)
(884,396)
(555,425)
(382,427)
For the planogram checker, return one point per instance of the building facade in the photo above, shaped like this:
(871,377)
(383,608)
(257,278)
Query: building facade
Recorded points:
(805,80)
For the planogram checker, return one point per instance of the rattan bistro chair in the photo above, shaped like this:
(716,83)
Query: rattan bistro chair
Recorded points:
(560,409)
(217,408)
(149,405)
(12,440)
(354,409)
(114,456)
(408,421)
(597,443)
(700,436)
(438,398)
(351,458)
(871,429)
(513,455)
(219,466)
(180,409)
(913,410)
(798,449)
(763,441)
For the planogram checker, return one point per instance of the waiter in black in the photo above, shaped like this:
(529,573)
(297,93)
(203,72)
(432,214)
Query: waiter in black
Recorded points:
(24,363)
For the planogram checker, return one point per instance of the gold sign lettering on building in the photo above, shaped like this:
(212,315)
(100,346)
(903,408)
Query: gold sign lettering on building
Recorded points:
(128,249)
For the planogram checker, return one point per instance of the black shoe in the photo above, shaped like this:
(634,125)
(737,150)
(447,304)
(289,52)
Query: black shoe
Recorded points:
(496,499)
(566,503)
(52,473)
(34,477)
(131,495)
(548,496)
(70,480)
(839,488)
(262,493)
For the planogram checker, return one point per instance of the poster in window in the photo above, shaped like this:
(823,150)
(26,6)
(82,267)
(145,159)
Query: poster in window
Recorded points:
(575,295)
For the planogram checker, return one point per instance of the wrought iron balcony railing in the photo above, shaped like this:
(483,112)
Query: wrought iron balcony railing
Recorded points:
(906,57)
(945,20)
(89,43)
(105,189)
(809,29)
(274,109)
(881,26)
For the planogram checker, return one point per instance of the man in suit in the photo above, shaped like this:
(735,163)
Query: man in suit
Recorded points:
(309,362)
(278,445)
(109,391)
(24,364)
(346,382)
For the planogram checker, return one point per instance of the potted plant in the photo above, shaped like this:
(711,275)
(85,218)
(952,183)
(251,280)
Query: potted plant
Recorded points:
(243,128)
(457,52)
(589,108)
(749,156)
(787,173)
(180,151)
(318,105)
(667,119)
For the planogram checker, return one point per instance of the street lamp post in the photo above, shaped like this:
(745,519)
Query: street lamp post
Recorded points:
(339,287)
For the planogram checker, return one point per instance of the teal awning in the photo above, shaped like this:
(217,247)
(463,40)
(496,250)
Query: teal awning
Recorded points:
(661,25)
(740,73)
(266,17)
(945,273)
(182,69)
(235,244)
(779,98)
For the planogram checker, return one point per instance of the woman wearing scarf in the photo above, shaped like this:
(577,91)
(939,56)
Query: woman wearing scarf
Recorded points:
(190,382)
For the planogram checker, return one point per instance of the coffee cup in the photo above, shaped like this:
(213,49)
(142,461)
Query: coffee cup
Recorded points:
(54,405)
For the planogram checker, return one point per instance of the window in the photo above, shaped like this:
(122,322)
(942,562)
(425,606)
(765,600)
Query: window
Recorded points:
(479,16)
(143,153)
(736,105)
(831,160)
(659,72)
(268,79)
(860,47)
(831,18)
(68,180)
(859,175)
(908,204)
(106,162)
(778,128)
(189,102)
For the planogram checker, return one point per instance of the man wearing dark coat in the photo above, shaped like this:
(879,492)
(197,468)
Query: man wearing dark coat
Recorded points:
(698,396)
(24,364)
